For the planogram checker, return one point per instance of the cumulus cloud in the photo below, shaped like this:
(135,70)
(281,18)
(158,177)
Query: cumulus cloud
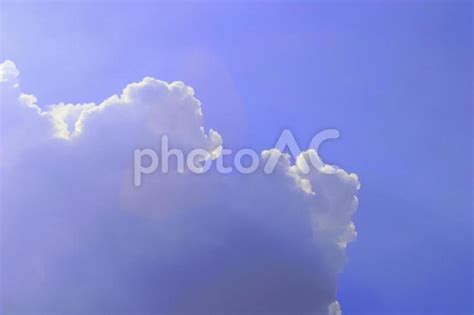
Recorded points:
(78,237)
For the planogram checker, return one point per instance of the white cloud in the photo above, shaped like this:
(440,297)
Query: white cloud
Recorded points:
(79,238)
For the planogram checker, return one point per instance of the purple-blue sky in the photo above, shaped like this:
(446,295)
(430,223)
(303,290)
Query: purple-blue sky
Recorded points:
(394,77)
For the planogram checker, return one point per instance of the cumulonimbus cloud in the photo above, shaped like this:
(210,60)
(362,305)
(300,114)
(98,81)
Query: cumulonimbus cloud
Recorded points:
(77,237)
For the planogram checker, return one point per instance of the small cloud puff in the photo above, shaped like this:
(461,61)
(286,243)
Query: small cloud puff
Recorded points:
(9,73)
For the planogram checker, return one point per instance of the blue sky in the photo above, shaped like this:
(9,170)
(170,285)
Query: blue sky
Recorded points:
(394,77)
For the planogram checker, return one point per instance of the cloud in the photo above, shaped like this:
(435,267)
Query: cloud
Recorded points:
(77,237)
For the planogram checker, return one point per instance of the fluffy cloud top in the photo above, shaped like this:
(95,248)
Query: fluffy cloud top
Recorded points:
(78,238)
